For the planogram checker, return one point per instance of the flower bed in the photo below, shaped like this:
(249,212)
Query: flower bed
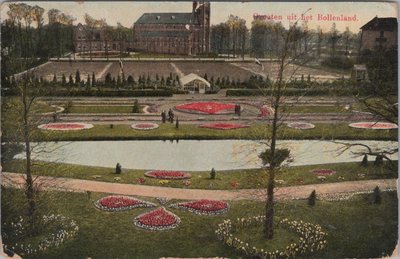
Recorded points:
(323,172)
(144,126)
(266,111)
(65,126)
(60,229)
(312,238)
(223,126)
(207,108)
(172,175)
(159,219)
(300,125)
(120,203)
(373,125)
(203,207)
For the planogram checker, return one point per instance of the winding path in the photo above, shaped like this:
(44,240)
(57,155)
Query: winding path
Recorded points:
(282,193)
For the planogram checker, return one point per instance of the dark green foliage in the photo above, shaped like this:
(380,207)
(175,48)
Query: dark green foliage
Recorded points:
(312,198)
(136,107)
(276,159)
(54,79)
(108,79)
(77,77)
(364,162)
(377,199)
(213,173)
(63,80)
(341,62)
(71,81)
(378,160)
(118,168)
(177,123)
(93,79)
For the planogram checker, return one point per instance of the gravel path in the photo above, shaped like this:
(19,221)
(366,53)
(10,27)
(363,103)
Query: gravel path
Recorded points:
(294,192)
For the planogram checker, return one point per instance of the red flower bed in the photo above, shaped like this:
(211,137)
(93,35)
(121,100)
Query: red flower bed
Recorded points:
(119,203)
(323,172)
(204,207)
(144,126)
(159,219)
(301,125)
(373,125)
(223,126)
(207,107)
(266,111)
(65,126)
(173,175)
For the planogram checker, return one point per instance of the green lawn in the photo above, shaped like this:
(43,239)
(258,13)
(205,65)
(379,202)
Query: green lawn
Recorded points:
(245,179)
(356,228)
(102,109)
(190,131)
(314,109)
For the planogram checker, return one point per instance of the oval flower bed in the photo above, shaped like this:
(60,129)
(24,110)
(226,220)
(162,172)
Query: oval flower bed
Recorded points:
(119,203)
(172,175)
(312,238)
(301,125)
(203,207)
(144,126)
(207,108)
(223,126)
(65,126)
(373,125)
(59,229)
(323,172)
(159,219)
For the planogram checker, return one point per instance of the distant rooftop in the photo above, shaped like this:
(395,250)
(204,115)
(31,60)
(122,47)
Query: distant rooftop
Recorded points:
(381,24)
(167,18)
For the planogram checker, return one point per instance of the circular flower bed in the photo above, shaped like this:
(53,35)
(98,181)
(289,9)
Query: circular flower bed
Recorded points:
(119,203)
(173,175)
(312,238)
(58,229)
(65,126)
(207,108)
(373,125)
(144,126)
(300,125)
(223,126)
(159,219)
(323,172)
(203,207)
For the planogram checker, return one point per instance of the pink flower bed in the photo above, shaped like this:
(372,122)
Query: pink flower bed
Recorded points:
(323,172)
(171,175)
(144,126)
(119,203)
(223,126)
(203,207)
(159,219)
(373,125)
(266,111)
(300,125)
(207,107)
(65,126)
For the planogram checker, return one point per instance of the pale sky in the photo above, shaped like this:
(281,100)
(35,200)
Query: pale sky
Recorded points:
(128,12)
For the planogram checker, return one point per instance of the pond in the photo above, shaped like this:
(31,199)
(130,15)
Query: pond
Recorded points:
(194,155)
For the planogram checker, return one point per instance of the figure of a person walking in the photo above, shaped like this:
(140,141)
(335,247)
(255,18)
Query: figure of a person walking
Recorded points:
(170,115)
(163,116)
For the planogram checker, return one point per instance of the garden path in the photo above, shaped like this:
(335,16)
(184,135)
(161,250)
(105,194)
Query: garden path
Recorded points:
(281,193)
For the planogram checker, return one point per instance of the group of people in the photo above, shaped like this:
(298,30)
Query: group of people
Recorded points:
(171,116)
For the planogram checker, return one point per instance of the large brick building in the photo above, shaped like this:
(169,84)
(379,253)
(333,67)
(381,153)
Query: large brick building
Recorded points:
(174,33)
(379,32)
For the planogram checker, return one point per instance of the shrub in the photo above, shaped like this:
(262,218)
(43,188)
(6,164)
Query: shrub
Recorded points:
(136,107)
(378,160)
(364,162)
(312,198)
(212,174)
(279,156)
(377,195)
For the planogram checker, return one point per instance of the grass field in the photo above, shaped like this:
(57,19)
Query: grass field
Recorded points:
(233,179)
(190,131)
(101,109)
(314,109)
(356,228)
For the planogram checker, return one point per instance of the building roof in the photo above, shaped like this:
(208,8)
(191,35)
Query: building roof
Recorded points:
(191,77)
(175,34)
(381,24)
(167,18)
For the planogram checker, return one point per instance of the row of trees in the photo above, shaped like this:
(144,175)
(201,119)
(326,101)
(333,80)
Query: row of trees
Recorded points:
(264,39)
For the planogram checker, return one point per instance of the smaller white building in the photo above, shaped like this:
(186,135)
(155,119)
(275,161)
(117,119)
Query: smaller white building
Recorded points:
(194,84)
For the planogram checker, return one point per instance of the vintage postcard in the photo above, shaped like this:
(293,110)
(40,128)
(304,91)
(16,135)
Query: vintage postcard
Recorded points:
(192,129)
